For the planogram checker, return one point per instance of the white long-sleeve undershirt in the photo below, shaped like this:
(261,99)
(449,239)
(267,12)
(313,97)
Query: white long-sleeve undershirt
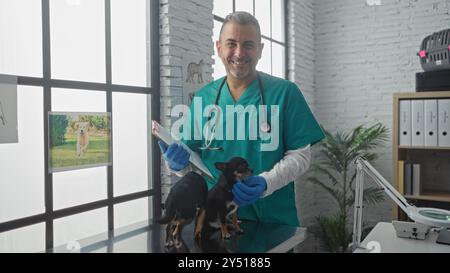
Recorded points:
(289,168)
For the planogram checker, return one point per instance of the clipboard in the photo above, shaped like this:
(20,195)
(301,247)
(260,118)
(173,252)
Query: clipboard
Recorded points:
(164,134)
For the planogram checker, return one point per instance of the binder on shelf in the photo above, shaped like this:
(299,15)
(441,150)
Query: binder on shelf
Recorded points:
(443,123)
(405,123)
(408,178)
(417,124)
(401,177)
(430,117)
(416,179)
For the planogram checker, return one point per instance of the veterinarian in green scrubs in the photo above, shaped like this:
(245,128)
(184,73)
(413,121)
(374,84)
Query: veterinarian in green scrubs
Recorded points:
(278,154)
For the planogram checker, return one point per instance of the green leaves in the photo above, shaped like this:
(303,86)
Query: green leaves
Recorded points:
(58,124)
(335,173)
(335,235)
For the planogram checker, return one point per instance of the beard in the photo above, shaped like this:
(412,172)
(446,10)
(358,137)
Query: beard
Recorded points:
(240,68)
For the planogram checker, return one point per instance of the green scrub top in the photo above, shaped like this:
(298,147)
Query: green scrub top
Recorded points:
(297,128)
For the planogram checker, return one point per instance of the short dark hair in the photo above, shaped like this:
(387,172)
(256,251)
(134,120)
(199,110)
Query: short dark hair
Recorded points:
(242,18)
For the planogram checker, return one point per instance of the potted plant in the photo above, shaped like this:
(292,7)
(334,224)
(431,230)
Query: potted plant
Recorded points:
(337,154)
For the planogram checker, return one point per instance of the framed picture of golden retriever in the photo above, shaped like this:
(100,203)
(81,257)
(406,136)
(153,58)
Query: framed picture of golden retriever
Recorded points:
(79,140)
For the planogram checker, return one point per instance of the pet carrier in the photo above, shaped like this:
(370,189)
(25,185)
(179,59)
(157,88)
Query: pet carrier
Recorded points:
(434,52)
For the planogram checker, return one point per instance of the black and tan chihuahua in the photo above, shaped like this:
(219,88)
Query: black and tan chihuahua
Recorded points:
(220,205)
(186,201)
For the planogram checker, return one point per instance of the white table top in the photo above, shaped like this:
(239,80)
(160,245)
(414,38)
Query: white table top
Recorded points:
(383,238)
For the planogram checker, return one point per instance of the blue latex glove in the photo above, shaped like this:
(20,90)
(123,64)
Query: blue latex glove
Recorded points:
(175,155)
(248,191)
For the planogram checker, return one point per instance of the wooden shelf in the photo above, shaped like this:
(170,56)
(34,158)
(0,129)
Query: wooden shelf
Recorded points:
(431,196)
(433,159)
(422,95)
(425,148)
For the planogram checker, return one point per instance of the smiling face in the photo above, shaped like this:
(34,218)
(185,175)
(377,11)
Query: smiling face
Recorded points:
(240,49)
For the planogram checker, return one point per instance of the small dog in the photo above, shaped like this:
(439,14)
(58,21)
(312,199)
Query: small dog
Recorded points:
(186,201)
(220,205)
(82,137)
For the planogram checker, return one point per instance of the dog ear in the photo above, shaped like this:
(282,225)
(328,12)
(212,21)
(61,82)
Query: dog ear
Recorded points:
(220,166)
(77,124)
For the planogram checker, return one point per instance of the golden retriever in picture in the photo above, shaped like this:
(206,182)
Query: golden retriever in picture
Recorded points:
(82,129)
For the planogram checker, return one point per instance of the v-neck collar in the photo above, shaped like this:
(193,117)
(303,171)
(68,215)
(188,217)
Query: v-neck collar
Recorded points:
(248,92)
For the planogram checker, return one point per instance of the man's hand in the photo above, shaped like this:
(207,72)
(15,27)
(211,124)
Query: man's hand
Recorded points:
(175,155)
(248,191)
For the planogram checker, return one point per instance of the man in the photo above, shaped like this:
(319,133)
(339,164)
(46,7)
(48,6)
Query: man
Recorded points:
(268,195)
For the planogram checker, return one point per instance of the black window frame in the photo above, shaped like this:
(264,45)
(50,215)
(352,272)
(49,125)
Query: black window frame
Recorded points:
(47,83)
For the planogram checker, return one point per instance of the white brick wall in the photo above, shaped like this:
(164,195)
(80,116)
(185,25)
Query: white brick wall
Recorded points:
(185,27)
(364,54)
(300,42)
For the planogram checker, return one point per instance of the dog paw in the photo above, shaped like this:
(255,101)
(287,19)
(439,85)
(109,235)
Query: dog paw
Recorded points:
(227,236)
(239,231)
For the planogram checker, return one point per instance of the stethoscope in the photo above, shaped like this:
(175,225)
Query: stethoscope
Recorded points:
(209,134)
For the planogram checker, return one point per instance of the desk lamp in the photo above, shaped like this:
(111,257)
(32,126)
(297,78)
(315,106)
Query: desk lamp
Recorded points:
(429,216)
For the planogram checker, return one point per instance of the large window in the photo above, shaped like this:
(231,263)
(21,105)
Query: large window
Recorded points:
(270,15)
(78,56)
